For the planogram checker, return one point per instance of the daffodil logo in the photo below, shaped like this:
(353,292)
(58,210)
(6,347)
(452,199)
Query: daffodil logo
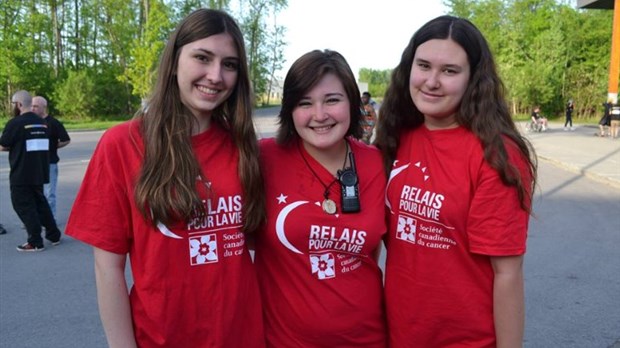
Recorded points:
(323,265)
(203,249)
(406,229)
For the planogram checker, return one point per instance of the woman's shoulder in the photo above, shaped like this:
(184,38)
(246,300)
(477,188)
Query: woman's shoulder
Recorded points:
(366,154)
(122,133)
(271,151)
(267,142)
(363,148)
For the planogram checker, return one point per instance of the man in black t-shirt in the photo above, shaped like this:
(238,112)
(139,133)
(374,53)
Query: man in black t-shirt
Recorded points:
(58,138)
(26,138)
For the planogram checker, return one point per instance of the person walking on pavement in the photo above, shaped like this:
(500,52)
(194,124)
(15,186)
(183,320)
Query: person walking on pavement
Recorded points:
(570,106)
(614,121)
(26,139)
(58,138)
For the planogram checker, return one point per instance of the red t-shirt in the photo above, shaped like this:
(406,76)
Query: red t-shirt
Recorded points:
(448,211)
(320,283)
(194,281)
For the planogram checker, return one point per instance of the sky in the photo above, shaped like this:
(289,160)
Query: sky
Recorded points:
(369,34)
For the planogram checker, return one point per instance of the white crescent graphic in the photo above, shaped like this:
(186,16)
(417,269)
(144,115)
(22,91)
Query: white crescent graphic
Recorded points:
(393,173)
(280,225)
(166,232)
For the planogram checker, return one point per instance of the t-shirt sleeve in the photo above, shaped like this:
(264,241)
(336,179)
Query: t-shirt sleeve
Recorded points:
(8,134)
(497,225)
(102,212)
(62,132)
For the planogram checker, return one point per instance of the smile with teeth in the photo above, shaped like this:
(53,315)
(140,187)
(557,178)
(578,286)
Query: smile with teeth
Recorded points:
(206,90)
(322,128)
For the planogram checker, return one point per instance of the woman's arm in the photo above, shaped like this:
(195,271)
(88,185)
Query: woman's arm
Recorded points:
(508,300)
(113,298)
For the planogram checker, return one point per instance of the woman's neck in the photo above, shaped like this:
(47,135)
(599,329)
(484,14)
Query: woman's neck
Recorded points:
(332,159)
(435,123)
(201,124)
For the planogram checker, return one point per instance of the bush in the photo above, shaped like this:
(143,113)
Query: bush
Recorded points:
(75,96)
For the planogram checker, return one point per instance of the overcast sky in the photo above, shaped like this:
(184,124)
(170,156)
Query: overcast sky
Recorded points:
(369,34)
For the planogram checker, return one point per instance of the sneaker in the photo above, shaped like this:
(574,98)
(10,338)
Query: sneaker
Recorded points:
(2,230)
(27,247)
(565,129)
(56,242)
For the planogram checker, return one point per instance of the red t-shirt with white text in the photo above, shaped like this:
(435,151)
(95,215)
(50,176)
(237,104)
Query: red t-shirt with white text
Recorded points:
(448,212)
(320,283)
(194,281)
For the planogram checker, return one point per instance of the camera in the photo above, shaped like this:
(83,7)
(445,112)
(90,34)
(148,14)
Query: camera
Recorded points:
(349,188)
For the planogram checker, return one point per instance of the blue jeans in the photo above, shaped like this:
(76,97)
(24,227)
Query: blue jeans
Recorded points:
(50,189)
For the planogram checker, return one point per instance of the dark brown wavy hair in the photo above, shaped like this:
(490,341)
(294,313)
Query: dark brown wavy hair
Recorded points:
(483,109)
(166,186)
(304,74)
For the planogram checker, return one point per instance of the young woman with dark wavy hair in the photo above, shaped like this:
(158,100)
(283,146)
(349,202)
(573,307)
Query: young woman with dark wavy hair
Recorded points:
(458,195)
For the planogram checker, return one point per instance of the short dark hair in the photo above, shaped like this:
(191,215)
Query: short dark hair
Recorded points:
(304,74)
(366,94)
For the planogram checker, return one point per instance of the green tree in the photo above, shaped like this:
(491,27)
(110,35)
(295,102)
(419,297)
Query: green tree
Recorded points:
(546,51)
(146,49)
(378,80)
(74,95)
(260,42)
(275,54)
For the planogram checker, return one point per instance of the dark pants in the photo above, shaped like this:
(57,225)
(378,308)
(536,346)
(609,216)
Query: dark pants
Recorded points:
(569,120)
(32,208)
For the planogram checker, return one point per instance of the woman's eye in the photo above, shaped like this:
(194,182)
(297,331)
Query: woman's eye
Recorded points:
(202,58)
(304,104)
(332,100)
(231,66)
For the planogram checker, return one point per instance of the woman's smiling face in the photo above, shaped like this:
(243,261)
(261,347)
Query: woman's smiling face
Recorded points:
(439,76)
(207,73)
(323,115)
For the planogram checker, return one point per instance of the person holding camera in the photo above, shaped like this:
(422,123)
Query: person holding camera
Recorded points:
(320,282)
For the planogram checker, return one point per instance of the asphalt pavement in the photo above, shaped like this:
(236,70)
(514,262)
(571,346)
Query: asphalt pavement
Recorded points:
(580,151)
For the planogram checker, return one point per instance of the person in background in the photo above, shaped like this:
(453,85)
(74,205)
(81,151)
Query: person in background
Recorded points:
(614,128)
(458,195)
(570,107)
(316,255)
(538,119)
(369,118)
(178,189)
(605,122)
(58,138)
(26,138)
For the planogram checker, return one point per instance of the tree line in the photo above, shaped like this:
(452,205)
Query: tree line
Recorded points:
(98,57)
